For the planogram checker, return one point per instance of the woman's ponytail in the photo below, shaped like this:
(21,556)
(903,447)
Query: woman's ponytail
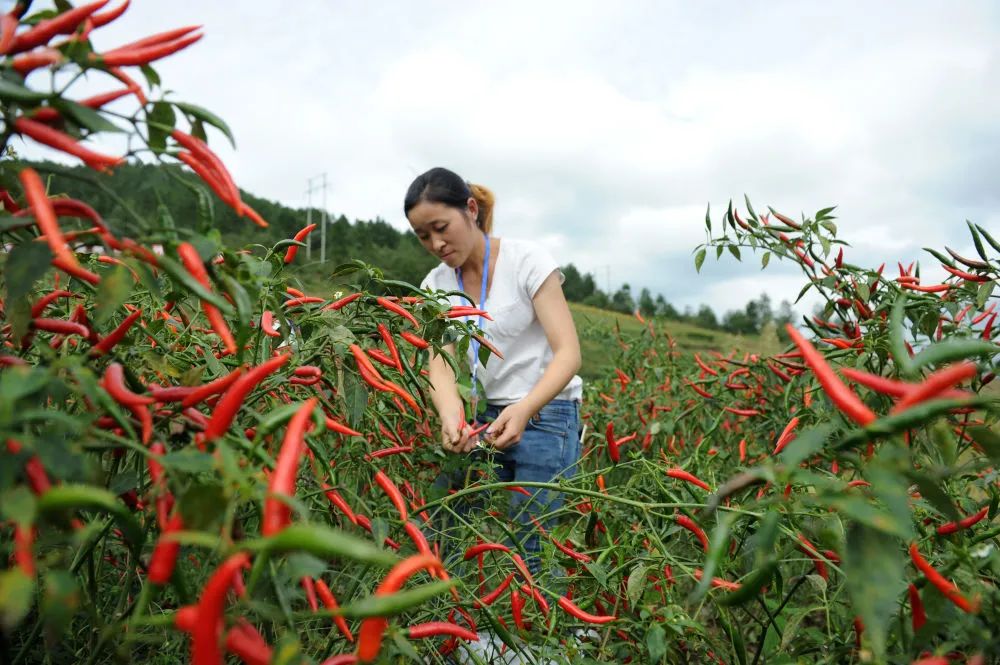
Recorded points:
(484,197)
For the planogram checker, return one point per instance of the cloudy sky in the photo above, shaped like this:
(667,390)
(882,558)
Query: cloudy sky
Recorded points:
(605,128)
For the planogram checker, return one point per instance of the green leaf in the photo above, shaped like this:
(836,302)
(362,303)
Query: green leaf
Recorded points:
(656,643)
(301,565)
(114,289)
(735,251)
(989,440)
(829,226)
(873,565)
(636,583)
(18,93)
(862,511)
(699,258)
(18,505)
(984,292)
(26,263)
(750,210)
(804,446)
(952,350)
(934,495)
(20,381)
(160,121)
(189,461)
(203,114)
(152,78)
(764,260)
(202,506)
(708,218)
(16,596)
(86,117)
(323,542)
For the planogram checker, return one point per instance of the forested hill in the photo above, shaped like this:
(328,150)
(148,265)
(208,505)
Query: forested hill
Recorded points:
(164,196)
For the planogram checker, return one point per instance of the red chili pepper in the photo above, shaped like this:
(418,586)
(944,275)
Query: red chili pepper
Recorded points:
(718,582)
(114,383)
(688,523)
(393,493)
(309,586)
(158,38)
(337,500)
(380,357)
(988,328)
(436,628)
(136,57)
(742,412)
(208,622)
(786,436)
(460,311)
(814,554)
(681,474)
(935,384)
(244,641)
(415,340)
(8,28)
(476,550)
(233,398)
(373,628)
(46,29)
(304,300)
(200,393)
(27,63)
(396,309)
(947,589)
(698,389)
(340,428)
(346,300)
(45,216)
(209,177)
(516,608)
(34,470)
(972,277)
(705,367)
(743,450)
(64,142)
(917,613)
(202,153)
(386,452)
(842,396)
(300,236)
(277,514)
(613,451)
(492,596)
(267,324)
(116,335)
(192,262)
(60,327)
(952,527)
(24,548)
(576,612)
(107,17)
(330,601)
(161,565)
(383,331)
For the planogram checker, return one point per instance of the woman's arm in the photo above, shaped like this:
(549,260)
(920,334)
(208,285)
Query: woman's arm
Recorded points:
(557,322)
(447,403)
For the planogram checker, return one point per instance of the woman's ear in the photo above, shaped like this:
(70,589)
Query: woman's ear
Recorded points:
(473,207)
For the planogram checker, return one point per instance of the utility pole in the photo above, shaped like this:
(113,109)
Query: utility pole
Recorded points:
(607,279)
(310,188)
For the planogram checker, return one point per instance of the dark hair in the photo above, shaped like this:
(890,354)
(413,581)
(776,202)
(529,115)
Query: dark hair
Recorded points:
(439,185)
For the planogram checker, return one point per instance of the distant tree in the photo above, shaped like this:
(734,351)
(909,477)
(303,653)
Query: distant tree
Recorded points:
(622,301)
(706,318)
(598,299)
(647,307)
(573,283)
(665,309)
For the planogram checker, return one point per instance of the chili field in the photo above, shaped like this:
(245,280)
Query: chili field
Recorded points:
(202,462)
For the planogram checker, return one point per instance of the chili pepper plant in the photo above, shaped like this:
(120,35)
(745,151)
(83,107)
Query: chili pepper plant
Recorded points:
(203,462)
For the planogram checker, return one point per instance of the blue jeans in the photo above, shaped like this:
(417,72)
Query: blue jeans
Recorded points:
(548,451)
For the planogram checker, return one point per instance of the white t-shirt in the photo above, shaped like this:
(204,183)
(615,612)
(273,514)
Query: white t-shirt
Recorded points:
(515,330)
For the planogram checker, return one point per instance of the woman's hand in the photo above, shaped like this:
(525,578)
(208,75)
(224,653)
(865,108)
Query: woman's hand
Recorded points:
(455,434)
(508,427)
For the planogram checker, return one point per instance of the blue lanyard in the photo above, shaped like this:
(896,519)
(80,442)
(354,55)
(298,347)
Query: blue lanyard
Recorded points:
(482,305)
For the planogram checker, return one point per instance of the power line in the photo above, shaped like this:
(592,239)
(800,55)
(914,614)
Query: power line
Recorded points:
(310,188)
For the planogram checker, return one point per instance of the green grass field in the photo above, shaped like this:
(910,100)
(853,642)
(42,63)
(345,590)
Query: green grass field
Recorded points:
(599,348)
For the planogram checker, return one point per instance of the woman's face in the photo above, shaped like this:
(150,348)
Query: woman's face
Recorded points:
(446,232)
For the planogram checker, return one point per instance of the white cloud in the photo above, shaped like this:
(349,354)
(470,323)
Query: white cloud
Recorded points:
(605,128)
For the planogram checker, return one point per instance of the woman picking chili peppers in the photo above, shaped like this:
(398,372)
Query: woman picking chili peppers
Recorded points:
(532,394)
